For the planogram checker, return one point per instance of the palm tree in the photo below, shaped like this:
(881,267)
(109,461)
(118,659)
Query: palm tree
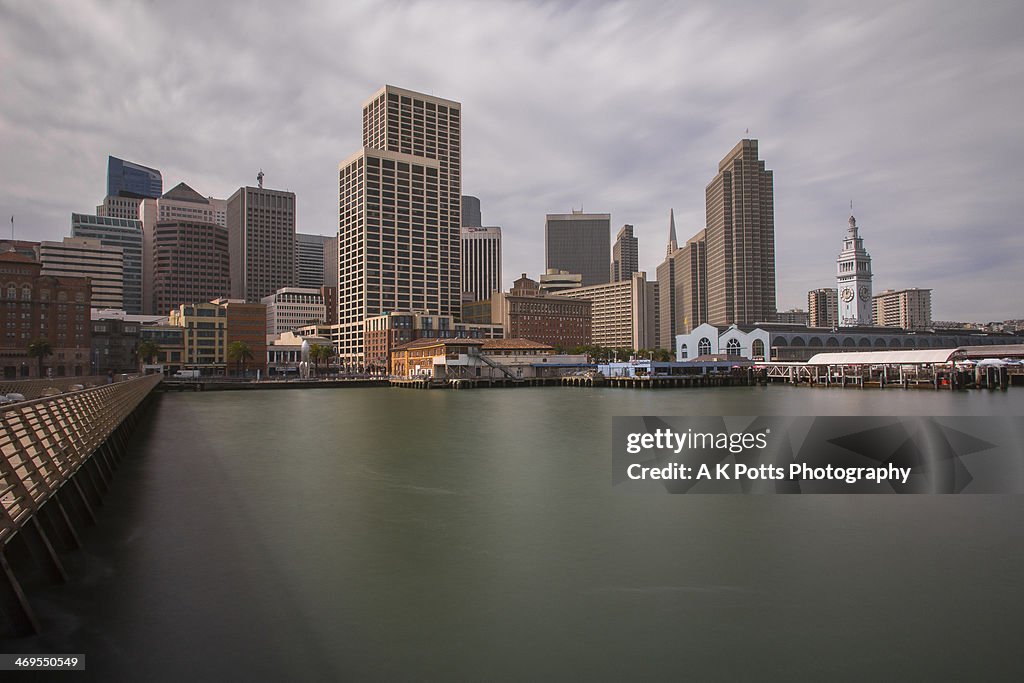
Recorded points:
(238,353)
(147,351)
(316,354)
(40,348)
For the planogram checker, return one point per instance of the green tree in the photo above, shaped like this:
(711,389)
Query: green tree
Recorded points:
(317,353)
(239,353)
(40,349)
(147,351)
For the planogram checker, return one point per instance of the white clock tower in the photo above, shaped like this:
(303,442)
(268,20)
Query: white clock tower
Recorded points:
(853,280)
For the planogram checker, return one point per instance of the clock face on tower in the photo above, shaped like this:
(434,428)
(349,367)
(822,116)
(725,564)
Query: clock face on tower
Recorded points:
(847,294)
(863,292)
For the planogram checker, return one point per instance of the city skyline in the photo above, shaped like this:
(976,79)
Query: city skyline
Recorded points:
(852,103)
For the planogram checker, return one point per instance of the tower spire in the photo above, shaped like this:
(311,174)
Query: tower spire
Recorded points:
(672,243)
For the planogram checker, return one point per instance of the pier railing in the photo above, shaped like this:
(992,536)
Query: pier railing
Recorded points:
(34,388)
(44,442)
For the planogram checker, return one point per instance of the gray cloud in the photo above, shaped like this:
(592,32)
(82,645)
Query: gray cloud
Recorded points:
(910,110)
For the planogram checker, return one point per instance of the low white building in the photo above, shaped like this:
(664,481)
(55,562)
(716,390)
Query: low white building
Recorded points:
(708,340)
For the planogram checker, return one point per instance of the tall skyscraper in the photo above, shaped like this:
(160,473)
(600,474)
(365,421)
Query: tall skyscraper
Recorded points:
(481,262)
(261,235)
(471,216)
(126,235)
(823,308)
(853,280)
(682,287)
(741,240)
(400,213)
(125,178)
(692,286)
(625,255)
(579,242)
(192,264)
(673,244)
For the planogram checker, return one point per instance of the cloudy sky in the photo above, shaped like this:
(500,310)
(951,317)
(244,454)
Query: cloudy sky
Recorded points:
(911,109)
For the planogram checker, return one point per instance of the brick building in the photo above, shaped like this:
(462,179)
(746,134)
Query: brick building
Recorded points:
(36,306)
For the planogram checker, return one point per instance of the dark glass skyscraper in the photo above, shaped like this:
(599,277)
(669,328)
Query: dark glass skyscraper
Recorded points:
(126,178)
(579,243)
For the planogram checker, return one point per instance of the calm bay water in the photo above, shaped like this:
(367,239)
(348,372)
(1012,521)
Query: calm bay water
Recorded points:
(390,534)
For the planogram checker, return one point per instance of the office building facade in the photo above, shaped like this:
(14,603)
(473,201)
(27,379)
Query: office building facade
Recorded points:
(579,242)
(126,235)
(292,307)
(740,237)
(471,215)
(125,178)
(481,262)
(682,288)
(623,314)
(87,258)
(190,263)
(400,214)
(311,255)
(261,237)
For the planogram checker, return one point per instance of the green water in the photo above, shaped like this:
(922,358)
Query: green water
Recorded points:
(388,534)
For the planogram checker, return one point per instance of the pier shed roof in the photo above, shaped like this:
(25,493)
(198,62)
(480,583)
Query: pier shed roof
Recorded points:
(908,357)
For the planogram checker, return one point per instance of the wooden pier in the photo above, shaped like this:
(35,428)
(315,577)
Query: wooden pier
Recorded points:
(58,455)
(639,382)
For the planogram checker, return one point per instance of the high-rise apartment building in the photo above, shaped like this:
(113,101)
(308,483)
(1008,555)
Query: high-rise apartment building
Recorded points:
(823,308)
(125,235)
(312,260)
(125,178)
(579,242)
(87,258)
(853,280)
(471,216)
(909,309)
(740,229)
(625,255)
(481,262)
(400,214)
(261,236)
